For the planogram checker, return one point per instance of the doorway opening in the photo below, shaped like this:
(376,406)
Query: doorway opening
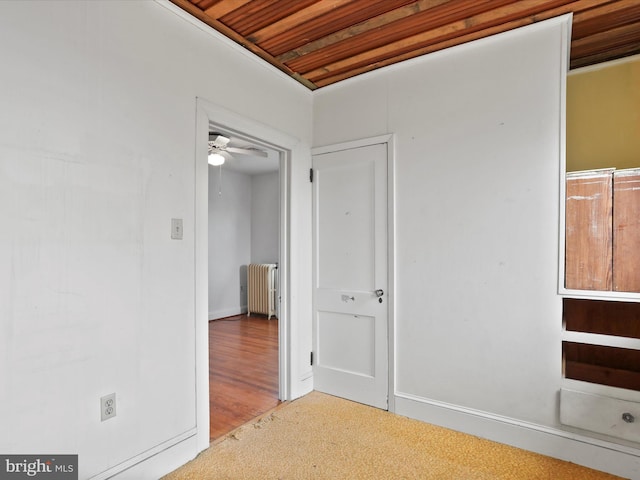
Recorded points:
(211,118)
(244,254)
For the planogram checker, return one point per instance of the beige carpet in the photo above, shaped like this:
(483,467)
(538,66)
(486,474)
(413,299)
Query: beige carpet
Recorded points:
(324,437)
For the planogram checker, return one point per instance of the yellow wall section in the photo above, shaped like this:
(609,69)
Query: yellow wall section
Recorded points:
(603,116)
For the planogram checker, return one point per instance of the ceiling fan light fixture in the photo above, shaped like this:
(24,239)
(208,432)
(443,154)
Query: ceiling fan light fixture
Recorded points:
(215,159)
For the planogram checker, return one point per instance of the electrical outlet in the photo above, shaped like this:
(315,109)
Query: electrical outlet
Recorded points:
(108,407)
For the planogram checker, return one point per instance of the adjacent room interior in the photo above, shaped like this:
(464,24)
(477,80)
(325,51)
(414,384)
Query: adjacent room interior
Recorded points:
(244,248)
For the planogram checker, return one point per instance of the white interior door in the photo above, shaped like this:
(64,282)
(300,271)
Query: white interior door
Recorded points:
(351,274)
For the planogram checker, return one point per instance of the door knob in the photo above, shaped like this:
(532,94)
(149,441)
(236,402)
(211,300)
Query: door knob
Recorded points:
(379,292)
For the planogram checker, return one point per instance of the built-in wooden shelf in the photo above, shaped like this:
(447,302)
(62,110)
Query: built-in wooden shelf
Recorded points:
(621,319)
(612,366)
(603,364)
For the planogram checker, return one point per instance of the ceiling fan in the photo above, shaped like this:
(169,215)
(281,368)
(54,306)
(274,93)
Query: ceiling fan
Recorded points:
(220,151)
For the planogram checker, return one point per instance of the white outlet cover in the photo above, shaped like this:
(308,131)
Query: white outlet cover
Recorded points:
(107,407)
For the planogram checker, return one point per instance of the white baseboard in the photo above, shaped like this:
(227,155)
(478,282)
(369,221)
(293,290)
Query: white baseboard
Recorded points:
(227,312)
(157,461)
(593,453)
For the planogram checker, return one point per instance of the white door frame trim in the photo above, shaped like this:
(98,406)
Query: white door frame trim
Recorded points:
(389,140)
(208,113)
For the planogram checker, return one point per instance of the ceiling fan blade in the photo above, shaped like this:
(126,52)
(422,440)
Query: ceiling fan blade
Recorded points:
(218,140)
(248,151)
(226,154)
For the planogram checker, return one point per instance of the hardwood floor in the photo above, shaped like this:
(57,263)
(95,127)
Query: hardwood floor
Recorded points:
(243,370)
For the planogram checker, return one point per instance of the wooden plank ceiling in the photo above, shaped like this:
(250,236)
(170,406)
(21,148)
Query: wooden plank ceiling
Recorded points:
(320,42)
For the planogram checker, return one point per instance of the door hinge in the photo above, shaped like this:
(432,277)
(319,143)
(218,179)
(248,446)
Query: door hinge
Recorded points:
(311,358)
(311,175)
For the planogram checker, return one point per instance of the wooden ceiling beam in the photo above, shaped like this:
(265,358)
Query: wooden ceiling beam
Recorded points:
(326,77)
(258,14)
(499,19)
(300,17)
(204,4)
(224,7)
(440,18)
(610,39)
(613,14)
(613,6)
(362,27)
(600,57)
(325,25)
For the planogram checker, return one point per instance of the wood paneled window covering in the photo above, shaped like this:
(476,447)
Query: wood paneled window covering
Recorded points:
(626,230)
(588,254)
(602,241)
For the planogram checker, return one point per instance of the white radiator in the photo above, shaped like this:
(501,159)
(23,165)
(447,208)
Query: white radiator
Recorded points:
(261,288)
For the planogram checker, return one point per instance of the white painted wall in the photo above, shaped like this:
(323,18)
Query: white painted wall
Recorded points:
(478,319)
(265,222)
(96,156)
(243,228)
(230,221)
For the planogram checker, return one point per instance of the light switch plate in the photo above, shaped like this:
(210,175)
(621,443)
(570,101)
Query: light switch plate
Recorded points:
(176,228)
